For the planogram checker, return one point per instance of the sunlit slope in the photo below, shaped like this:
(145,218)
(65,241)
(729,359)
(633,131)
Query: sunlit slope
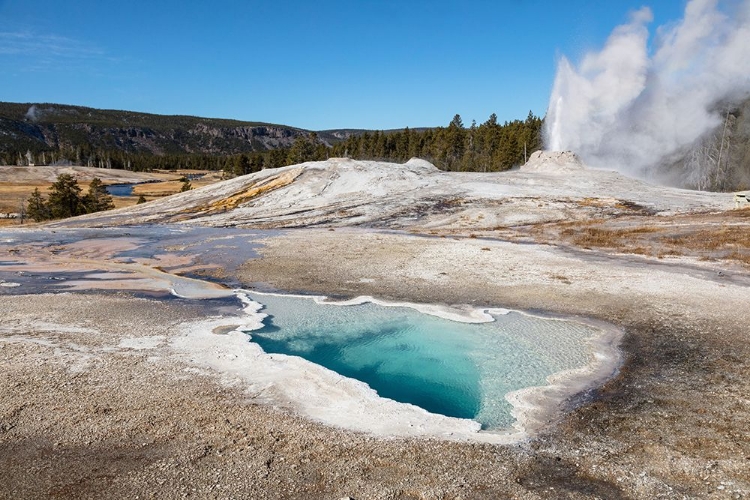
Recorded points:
(343,192)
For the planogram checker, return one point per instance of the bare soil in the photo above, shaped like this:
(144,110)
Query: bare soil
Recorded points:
(96,405)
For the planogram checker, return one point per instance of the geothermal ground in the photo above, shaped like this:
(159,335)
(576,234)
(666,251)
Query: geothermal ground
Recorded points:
(109,390)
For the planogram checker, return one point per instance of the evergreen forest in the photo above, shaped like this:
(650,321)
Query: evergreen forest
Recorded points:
(65,200)
(48,134)
(489,147)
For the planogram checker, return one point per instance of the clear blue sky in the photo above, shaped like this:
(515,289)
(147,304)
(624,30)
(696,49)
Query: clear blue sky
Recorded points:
(312,64)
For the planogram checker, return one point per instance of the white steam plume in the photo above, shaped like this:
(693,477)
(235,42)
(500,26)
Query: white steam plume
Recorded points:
(631,109)
(33,113)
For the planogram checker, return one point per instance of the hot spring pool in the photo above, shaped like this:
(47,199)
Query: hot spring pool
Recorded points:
(446,367)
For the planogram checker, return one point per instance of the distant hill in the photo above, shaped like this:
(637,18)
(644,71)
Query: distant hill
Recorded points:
(55,134)
(39,127)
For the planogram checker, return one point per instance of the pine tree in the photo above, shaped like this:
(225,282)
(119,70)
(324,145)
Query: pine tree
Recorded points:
(455,143)
(228,168)
(257,163)
(241,165)
(36,207)
(65,198)
(278,158)
(470,157)
(97,199)
(301,151)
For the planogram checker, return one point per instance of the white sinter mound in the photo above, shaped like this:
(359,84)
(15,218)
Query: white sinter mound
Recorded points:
(551,162)
(552,186)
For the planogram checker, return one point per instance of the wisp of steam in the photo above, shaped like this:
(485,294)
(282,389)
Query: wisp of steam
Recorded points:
(33,113)
(632,107)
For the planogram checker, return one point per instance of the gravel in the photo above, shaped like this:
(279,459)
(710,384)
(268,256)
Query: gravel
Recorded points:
(95,403)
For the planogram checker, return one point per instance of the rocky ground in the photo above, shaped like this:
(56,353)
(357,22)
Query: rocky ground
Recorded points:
(672,424)
(84,416)
(96,403)
(415,196)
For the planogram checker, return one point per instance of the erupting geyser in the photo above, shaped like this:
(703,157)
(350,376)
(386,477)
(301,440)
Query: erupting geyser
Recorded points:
(631,106)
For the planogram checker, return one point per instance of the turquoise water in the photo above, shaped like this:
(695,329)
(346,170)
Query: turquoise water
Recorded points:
(455,369)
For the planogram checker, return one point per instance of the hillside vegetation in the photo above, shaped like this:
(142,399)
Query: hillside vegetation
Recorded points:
(47,134)
(53,134)
(489,147)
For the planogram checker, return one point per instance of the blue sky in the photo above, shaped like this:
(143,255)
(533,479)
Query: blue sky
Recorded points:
(316,65)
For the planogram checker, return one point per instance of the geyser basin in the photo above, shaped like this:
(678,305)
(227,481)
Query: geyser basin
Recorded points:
(451,368)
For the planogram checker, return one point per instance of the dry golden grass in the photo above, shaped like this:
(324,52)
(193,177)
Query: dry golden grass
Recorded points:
(160,189)
(594,202)
(588,237)
(723,236)
(14,194)
(125,201)
(743,212)
(167,188)
(741,257)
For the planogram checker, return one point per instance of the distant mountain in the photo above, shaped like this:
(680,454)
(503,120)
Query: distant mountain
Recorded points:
(41,127)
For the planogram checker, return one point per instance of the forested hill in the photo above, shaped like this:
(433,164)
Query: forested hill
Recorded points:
(77,133)
(49,134)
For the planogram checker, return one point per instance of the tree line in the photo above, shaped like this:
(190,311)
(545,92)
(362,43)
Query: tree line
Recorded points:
(238,164)
(488,147)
